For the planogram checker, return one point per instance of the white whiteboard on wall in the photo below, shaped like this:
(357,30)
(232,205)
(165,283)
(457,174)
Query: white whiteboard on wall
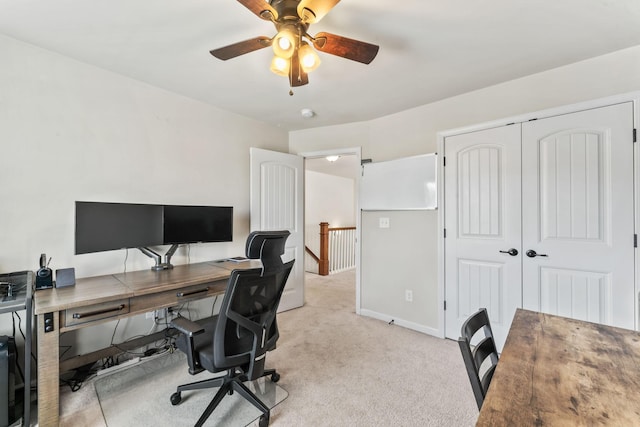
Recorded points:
(402,184)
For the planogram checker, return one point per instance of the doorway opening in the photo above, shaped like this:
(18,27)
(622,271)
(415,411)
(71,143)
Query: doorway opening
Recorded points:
(331,198)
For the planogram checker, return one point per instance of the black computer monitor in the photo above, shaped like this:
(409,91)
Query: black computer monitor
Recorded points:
(196,224)
(108,226)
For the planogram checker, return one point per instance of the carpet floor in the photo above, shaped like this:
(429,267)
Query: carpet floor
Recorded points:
(152,381)
(341,369)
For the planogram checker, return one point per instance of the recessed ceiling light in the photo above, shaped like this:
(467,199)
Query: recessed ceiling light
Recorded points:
(307,113)
(332,158)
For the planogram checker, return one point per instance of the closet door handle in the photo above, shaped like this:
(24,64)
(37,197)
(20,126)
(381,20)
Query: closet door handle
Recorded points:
(532,254)
(512,252)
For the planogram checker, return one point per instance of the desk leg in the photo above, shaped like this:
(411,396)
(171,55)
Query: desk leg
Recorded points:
(48,373)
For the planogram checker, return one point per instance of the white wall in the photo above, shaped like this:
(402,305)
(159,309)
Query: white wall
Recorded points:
(70,131)
(414,132)
(329,198)
(396,270)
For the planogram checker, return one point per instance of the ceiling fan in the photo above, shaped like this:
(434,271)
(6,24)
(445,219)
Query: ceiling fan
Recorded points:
(294,57)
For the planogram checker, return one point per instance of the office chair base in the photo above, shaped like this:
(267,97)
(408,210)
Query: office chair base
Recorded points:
(228,384)
(264,420)
(176,397)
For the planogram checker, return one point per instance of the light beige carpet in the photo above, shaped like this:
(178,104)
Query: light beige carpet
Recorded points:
(341,369)
(139,396)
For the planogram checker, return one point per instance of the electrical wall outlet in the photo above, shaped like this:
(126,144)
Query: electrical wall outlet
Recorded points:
(384,222)
(408,295)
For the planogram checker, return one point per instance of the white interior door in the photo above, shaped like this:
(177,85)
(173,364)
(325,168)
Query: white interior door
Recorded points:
(277,203)
(578,215)
(482,221)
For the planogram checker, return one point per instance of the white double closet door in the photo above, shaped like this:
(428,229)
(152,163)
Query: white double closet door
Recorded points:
(540,215)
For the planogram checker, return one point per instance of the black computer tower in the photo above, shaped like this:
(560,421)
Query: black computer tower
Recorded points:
(7,380)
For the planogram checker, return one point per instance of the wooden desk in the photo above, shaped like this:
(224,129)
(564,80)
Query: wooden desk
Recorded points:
(555,371)
(96,300)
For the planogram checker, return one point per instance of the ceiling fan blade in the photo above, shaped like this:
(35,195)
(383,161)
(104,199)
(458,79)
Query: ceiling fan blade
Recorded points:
(311,11)
(261,8)
(345,47)
(297,76)
(240,48)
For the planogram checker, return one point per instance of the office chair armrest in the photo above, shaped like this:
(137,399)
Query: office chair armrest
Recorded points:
(186,326)
(189,329)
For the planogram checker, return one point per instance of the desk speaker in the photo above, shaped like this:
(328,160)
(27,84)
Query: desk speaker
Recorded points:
(65,277)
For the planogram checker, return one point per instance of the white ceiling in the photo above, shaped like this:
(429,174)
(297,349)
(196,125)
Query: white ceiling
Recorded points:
(347,166)
(429,49)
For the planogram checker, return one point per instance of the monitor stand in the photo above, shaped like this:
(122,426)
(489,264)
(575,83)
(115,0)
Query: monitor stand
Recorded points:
(159,266)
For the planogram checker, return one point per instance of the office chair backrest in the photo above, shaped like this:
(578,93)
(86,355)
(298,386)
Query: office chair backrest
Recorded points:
(480,360)
(267,246)
(246,327)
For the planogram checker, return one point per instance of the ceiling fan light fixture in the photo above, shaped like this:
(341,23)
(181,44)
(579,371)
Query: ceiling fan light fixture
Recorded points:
(295,49)
(309,59)
(312,11)
(280,66)
(284,43)
(307,15)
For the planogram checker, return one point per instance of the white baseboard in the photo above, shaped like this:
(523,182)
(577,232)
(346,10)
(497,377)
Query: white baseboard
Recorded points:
(401,322)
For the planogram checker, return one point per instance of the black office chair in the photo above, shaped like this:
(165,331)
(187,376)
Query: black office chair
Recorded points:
(480,360)
(237,339)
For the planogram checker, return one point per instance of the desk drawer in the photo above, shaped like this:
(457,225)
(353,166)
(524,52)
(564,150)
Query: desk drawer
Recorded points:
(176,297)
(78,315)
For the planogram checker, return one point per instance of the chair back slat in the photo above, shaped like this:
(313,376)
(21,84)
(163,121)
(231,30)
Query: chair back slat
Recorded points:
(480,359)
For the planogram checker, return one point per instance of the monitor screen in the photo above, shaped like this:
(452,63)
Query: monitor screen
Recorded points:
(192,224)
(108,226)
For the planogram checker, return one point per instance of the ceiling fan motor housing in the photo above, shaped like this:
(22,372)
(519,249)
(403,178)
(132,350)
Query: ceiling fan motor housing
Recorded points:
(287,8)
(288,16)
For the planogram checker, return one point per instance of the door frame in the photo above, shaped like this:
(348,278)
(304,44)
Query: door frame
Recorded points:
(633,97)
(355,151)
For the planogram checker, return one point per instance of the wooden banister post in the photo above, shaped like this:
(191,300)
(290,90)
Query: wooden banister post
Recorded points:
(323,263)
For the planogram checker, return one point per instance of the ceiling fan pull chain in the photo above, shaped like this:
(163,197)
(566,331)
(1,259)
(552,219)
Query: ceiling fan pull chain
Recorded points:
(290,79)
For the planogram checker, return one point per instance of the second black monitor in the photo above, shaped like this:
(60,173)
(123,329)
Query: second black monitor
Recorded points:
(194,224)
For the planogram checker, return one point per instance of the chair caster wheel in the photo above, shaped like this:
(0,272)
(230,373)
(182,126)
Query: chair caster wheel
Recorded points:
(275,377)
(176,398)
(264,421)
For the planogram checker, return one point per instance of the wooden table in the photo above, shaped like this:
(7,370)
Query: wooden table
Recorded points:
(95,300)
(556,371)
